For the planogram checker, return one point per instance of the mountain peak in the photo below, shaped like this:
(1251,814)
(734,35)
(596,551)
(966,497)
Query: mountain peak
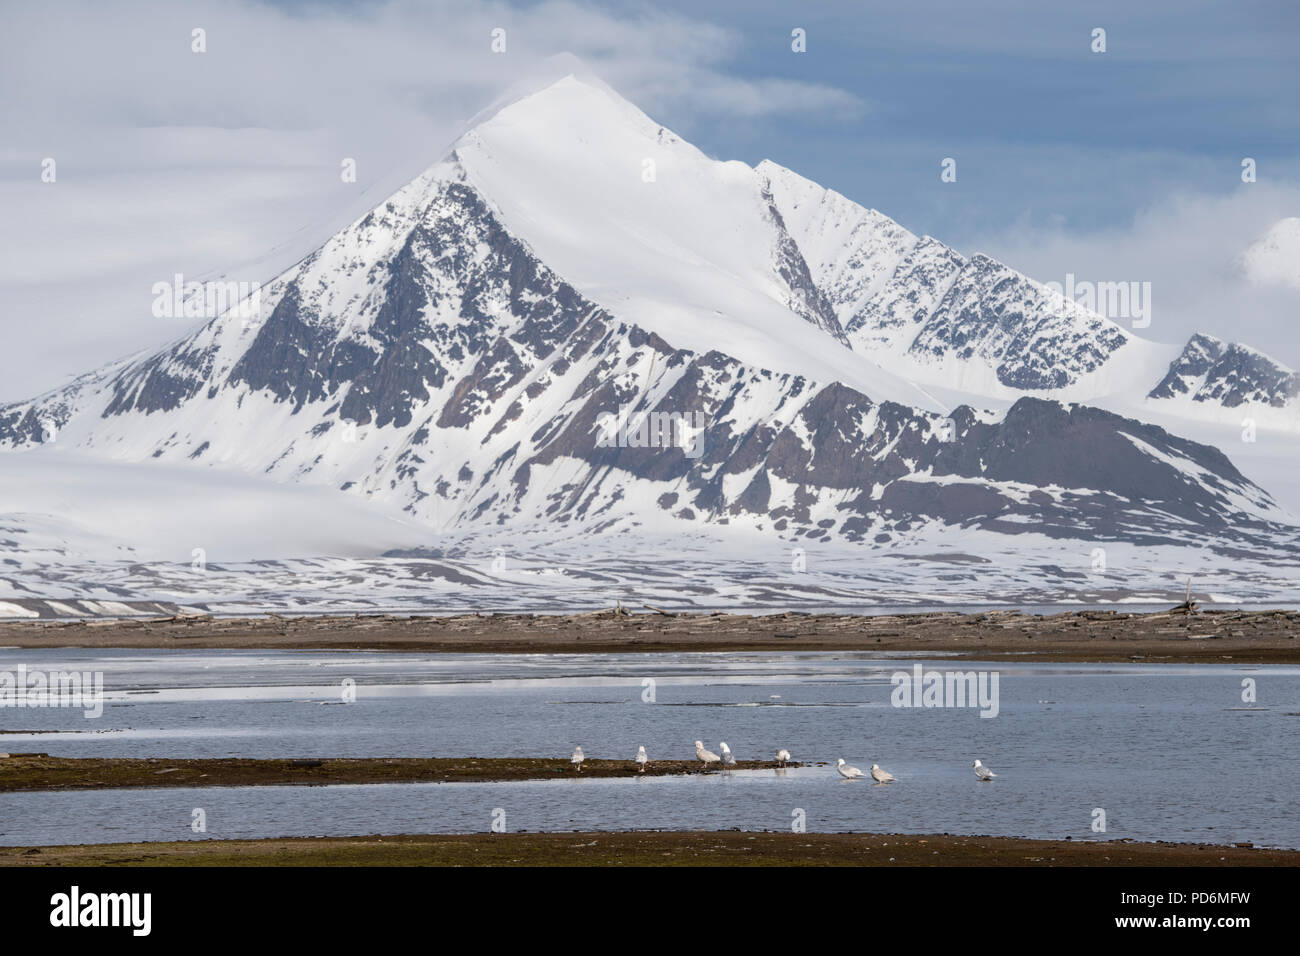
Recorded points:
(647,226)
(563,81)
(573,102)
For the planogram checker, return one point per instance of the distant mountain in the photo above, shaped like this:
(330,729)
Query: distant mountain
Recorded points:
(577,319)
(1209,370)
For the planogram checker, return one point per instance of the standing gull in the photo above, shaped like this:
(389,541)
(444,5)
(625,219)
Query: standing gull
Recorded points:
(727,758)
(577,758)
(708,756)
(847,772)
(881,776)
(782,757)
(983,772)
(641,759)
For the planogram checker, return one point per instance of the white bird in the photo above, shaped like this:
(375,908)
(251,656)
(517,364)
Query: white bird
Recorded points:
(983,772)
(707,756)
(847,772)
(641,759)
(727,757)
(577,758)
(783,756)
(881,776)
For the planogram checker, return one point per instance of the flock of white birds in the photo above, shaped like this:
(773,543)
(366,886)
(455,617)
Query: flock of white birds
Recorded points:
(727,759)
(982,773)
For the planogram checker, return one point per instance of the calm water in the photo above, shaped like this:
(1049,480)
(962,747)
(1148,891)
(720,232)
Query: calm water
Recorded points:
(1165,750)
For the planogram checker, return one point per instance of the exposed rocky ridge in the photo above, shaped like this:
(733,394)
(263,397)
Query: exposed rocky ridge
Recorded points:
(980,327)
(1231,375)
(916,298)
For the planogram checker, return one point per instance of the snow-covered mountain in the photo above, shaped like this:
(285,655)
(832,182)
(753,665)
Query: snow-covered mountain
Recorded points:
(576,320)
(1227,375)
(971,326)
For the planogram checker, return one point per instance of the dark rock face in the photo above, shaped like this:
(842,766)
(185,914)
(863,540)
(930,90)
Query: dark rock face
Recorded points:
(400,368)
(39,420)
(22,425)
(995,313)
(919,282)
(301,358)
(162,382)
(939,307)
(294,359)
(1231,375)
(1197,358)
(1044,444)
(807,300)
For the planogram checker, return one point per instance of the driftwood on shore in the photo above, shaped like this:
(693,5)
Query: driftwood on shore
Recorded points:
(1188,606)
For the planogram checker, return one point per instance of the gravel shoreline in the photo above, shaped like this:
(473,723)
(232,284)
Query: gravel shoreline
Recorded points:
(651,848)
(1071,636)
(27,772)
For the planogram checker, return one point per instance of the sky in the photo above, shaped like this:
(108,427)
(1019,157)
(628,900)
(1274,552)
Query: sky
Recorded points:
(1123,165)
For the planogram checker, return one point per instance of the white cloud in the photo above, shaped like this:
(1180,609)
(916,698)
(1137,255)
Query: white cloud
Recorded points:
(174,161)
(1186,246)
